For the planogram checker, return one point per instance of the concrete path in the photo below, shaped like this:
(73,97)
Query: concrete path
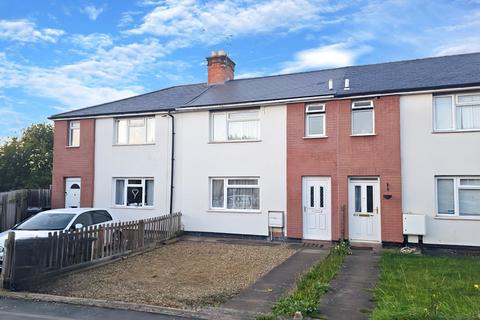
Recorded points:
(260,297)
(350,295)
(13,309)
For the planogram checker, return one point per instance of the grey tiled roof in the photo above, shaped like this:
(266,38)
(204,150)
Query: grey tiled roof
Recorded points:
(410,75)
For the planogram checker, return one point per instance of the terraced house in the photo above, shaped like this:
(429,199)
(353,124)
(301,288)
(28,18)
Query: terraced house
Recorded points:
(375,153)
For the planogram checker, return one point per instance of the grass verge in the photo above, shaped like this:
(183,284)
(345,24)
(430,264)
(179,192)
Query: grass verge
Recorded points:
(311,286)
(423,287)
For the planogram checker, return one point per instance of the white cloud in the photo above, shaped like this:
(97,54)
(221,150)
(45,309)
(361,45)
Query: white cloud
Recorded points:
(26,31)
(92,41)
(189,21)
(106,76)
(92,12)
(334,55)
(466,45)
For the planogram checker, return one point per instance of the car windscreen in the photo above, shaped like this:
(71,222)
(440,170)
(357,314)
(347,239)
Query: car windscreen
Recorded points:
(47,221)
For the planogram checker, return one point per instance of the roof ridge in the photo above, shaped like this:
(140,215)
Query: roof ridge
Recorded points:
(127,98)
(355,66)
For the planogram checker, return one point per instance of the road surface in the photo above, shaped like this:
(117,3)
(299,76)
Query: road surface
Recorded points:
(12,309)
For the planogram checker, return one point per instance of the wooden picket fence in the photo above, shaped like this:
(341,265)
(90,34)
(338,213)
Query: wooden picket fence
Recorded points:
(14,205)
(28,261)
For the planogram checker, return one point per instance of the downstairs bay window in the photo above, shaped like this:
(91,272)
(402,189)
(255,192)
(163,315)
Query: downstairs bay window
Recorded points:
(238,194)
(133,192)
(458,196)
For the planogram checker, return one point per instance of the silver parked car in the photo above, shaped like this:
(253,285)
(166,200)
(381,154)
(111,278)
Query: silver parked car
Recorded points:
(57,220)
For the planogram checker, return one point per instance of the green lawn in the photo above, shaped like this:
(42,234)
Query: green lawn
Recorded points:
(422,287)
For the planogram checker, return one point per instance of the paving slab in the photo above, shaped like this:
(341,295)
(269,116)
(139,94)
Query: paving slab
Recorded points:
(350,293)
(260,297)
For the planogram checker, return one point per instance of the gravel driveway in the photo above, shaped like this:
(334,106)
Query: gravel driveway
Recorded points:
(185,274)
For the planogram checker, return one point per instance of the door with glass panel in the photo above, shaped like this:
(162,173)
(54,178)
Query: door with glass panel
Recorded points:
(364,210)
(316,208)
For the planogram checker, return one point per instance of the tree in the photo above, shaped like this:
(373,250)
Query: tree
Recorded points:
(26,162)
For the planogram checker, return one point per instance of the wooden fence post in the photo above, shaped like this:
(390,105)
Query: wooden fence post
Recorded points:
(8,266)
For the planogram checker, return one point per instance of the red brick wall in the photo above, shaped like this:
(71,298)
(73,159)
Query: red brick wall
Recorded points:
(340,156)
(220,69)
(73,162)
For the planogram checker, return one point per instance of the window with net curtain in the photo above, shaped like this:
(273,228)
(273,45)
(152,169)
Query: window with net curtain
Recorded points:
(457,112)
(74,134)
(235,125)
(458,196)
(135,130)
(362,118)
(235,193)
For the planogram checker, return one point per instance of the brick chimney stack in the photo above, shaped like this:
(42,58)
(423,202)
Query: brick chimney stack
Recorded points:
(220,68)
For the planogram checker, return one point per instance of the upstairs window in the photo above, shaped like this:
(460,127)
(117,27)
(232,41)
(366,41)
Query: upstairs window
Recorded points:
(315,120)
(74,133)
(457,112)
(235,126)
(135,130)
(458,196)
(363,118)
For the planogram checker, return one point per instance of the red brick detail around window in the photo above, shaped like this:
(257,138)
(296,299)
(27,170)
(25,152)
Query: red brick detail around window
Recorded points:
(70,162)
(341,156)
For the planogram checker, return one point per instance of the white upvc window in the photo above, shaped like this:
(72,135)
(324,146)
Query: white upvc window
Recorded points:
(460,112)
(363,118)
(458,196)
(74,133)
(236,194)
(135,130)
(237,125)
(315,120)
(133,192)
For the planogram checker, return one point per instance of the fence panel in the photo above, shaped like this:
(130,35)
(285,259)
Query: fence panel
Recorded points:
(27,262)
(14,205)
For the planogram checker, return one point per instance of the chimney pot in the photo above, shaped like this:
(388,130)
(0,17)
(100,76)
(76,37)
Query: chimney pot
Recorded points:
(221,53)
(214,53)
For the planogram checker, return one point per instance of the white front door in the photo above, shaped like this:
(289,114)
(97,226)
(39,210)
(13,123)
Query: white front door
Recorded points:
(364,210)
(317,215)
(72,192)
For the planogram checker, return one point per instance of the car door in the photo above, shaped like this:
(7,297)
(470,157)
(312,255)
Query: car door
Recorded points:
(85,219)
(100,217)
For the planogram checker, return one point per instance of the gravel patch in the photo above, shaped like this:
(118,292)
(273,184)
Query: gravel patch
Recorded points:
(184,274)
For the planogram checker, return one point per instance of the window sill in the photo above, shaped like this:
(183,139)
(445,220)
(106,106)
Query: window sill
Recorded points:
(363,135)
(234,141)
(72,147)
(234,211)
(315,137)
(455,131)
(475,218)
(131,207)
(136,144)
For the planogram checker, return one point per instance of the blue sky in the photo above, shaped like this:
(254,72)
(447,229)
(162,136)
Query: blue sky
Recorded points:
(57,55)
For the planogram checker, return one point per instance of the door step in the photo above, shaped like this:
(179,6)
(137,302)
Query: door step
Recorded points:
(316,244)
(365,245)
